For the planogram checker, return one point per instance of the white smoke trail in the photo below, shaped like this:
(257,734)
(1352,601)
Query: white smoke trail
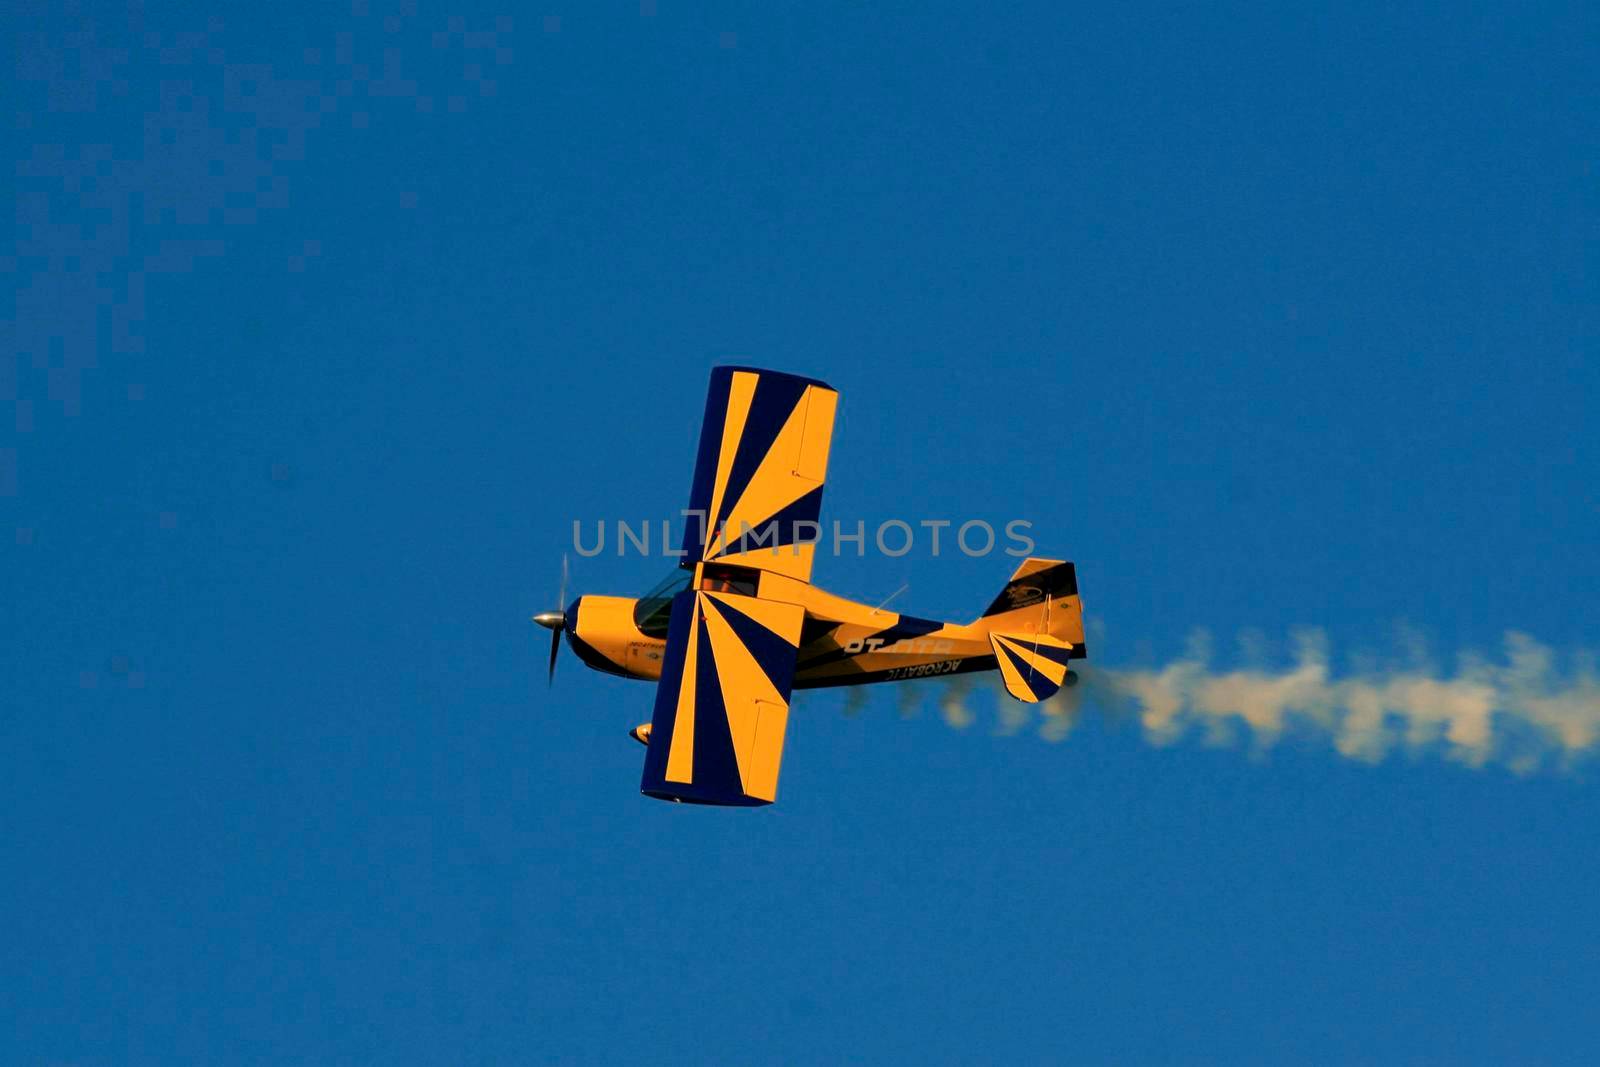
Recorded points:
(1522,711)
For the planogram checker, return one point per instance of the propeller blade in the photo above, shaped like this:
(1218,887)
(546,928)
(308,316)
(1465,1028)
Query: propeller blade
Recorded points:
(556,620)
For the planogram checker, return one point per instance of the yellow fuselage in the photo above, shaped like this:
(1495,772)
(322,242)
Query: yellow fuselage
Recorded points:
(843,642)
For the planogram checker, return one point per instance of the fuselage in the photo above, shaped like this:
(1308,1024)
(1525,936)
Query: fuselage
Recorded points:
(842,642)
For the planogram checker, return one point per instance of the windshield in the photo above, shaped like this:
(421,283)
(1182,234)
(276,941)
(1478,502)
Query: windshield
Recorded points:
(653,611)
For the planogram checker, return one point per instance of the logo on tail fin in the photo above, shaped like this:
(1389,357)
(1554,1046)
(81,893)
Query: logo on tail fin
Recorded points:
(1034,581)
(1022,596)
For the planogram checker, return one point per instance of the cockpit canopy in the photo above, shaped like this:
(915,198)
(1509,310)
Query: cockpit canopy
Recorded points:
(653,611)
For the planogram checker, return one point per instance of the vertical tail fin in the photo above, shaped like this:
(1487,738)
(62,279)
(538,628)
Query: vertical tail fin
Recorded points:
(1041,597)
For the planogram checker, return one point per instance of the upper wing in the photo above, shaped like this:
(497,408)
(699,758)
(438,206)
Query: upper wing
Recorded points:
(722,704)
(759,474)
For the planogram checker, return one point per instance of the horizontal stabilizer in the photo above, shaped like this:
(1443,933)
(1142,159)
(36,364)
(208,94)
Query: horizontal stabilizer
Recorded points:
(1034,666)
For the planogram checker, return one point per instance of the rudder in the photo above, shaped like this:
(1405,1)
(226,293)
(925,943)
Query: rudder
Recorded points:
(1041,597)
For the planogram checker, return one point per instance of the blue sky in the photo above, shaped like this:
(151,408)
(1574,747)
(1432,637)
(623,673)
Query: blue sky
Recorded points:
(326,324)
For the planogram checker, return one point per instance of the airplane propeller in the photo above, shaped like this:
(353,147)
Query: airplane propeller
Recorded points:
(555,622)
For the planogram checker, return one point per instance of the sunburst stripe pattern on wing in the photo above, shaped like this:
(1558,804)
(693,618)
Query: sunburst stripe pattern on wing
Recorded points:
(722,715)
(762,461)
(671,753)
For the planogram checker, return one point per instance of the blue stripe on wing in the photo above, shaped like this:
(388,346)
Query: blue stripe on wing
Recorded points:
(774,655)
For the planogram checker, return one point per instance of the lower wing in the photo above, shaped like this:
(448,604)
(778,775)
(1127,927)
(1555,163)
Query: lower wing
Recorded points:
(722,704)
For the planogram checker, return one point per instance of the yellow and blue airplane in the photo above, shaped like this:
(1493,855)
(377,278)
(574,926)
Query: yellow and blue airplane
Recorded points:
(739,625)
